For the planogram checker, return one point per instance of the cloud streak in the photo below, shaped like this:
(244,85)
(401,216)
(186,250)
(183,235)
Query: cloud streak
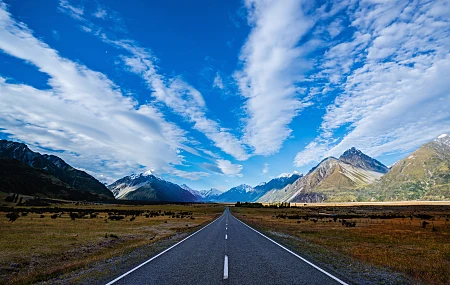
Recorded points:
(84,113)
(394,89)
(272,64)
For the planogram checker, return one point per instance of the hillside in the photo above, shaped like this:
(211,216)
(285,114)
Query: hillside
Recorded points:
(424,175)
(17,177)
(55,166)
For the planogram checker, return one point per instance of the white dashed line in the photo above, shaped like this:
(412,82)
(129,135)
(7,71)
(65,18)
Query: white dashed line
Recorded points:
(161,253)
(225,268)
(226,236)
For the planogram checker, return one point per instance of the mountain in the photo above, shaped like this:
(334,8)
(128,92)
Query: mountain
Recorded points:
(77,180)
(356,158)
(272,188)
(423,175)
(203,195)
(333,179)
(148,187)
(246,193)
(240,193)
(18,177)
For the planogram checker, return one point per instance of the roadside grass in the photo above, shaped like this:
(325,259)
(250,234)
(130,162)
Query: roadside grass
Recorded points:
(35,248)
(384,236)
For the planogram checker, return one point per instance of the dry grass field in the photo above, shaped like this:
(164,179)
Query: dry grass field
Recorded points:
(45,242)
(410,239)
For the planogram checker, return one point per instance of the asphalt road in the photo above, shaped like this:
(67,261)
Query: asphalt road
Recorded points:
(227,252)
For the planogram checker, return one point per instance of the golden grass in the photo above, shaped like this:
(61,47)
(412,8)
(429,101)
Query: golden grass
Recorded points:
(34,248)
(400,244)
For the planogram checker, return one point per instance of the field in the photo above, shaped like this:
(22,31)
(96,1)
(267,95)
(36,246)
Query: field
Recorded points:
(413,240)
(45,242)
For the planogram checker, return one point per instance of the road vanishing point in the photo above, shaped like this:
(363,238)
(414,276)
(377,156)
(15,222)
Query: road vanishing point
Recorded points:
(226,251)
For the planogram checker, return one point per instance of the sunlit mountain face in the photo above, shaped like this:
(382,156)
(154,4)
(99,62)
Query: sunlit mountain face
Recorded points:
(225,93)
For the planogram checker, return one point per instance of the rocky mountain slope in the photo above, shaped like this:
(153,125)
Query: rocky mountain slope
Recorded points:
(424,175)
(148,187)
(77,180)
(332,179)
(358,159)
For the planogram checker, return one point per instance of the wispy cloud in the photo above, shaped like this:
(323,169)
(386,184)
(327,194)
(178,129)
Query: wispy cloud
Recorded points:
(84,113)
(72,10)
(175,93)
(272,64)
(218,82)
(265,168)
(394,86)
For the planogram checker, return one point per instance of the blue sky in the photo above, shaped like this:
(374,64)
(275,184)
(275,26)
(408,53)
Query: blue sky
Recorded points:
(219,93)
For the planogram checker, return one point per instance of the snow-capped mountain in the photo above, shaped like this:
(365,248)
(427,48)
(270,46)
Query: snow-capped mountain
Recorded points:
(203,195)
(287,175)
(146,186)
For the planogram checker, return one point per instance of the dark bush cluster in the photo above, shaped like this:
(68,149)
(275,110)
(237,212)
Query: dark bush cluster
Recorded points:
(116,217)
(12,216)
(348,224)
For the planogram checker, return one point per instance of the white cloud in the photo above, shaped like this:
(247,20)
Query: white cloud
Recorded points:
(73,11)
(83,113)
(228,168)
(397,98)
(218,82)
(272,65)
(265,168)
(182,98)
(175,93)
(100,13)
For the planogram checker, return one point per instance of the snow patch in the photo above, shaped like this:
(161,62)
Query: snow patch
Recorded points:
(442,136)
(287,175)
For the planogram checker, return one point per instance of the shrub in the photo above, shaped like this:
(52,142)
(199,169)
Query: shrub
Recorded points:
(54,216)
(12,216)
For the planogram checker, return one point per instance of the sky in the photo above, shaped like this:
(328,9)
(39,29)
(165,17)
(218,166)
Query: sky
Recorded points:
(220,93)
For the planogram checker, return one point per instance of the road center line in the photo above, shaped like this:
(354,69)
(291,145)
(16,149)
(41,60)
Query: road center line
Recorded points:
(225,268)
(293,253)
(166,250)
(226,236)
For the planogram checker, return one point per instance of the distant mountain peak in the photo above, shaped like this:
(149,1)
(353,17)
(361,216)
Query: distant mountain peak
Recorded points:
(147,173)
(357,158)
(287,175)
(443,136)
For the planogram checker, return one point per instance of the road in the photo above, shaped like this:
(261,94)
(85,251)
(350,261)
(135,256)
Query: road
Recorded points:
(226,252)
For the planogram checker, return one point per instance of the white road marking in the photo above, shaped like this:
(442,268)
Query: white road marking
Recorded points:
(226,236)
(226,228)
(293,253)
(225,268)
(161,253)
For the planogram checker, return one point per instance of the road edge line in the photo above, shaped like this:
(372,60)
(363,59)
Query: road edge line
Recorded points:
(295,254)
(159,254)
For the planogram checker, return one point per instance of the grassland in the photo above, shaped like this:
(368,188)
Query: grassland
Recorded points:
(391,236)
(37,246)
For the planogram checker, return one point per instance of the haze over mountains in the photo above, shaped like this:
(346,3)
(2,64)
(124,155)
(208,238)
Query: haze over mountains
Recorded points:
(354,176)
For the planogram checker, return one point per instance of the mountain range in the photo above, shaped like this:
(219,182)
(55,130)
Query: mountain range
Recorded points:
(27,172)
(354,176)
